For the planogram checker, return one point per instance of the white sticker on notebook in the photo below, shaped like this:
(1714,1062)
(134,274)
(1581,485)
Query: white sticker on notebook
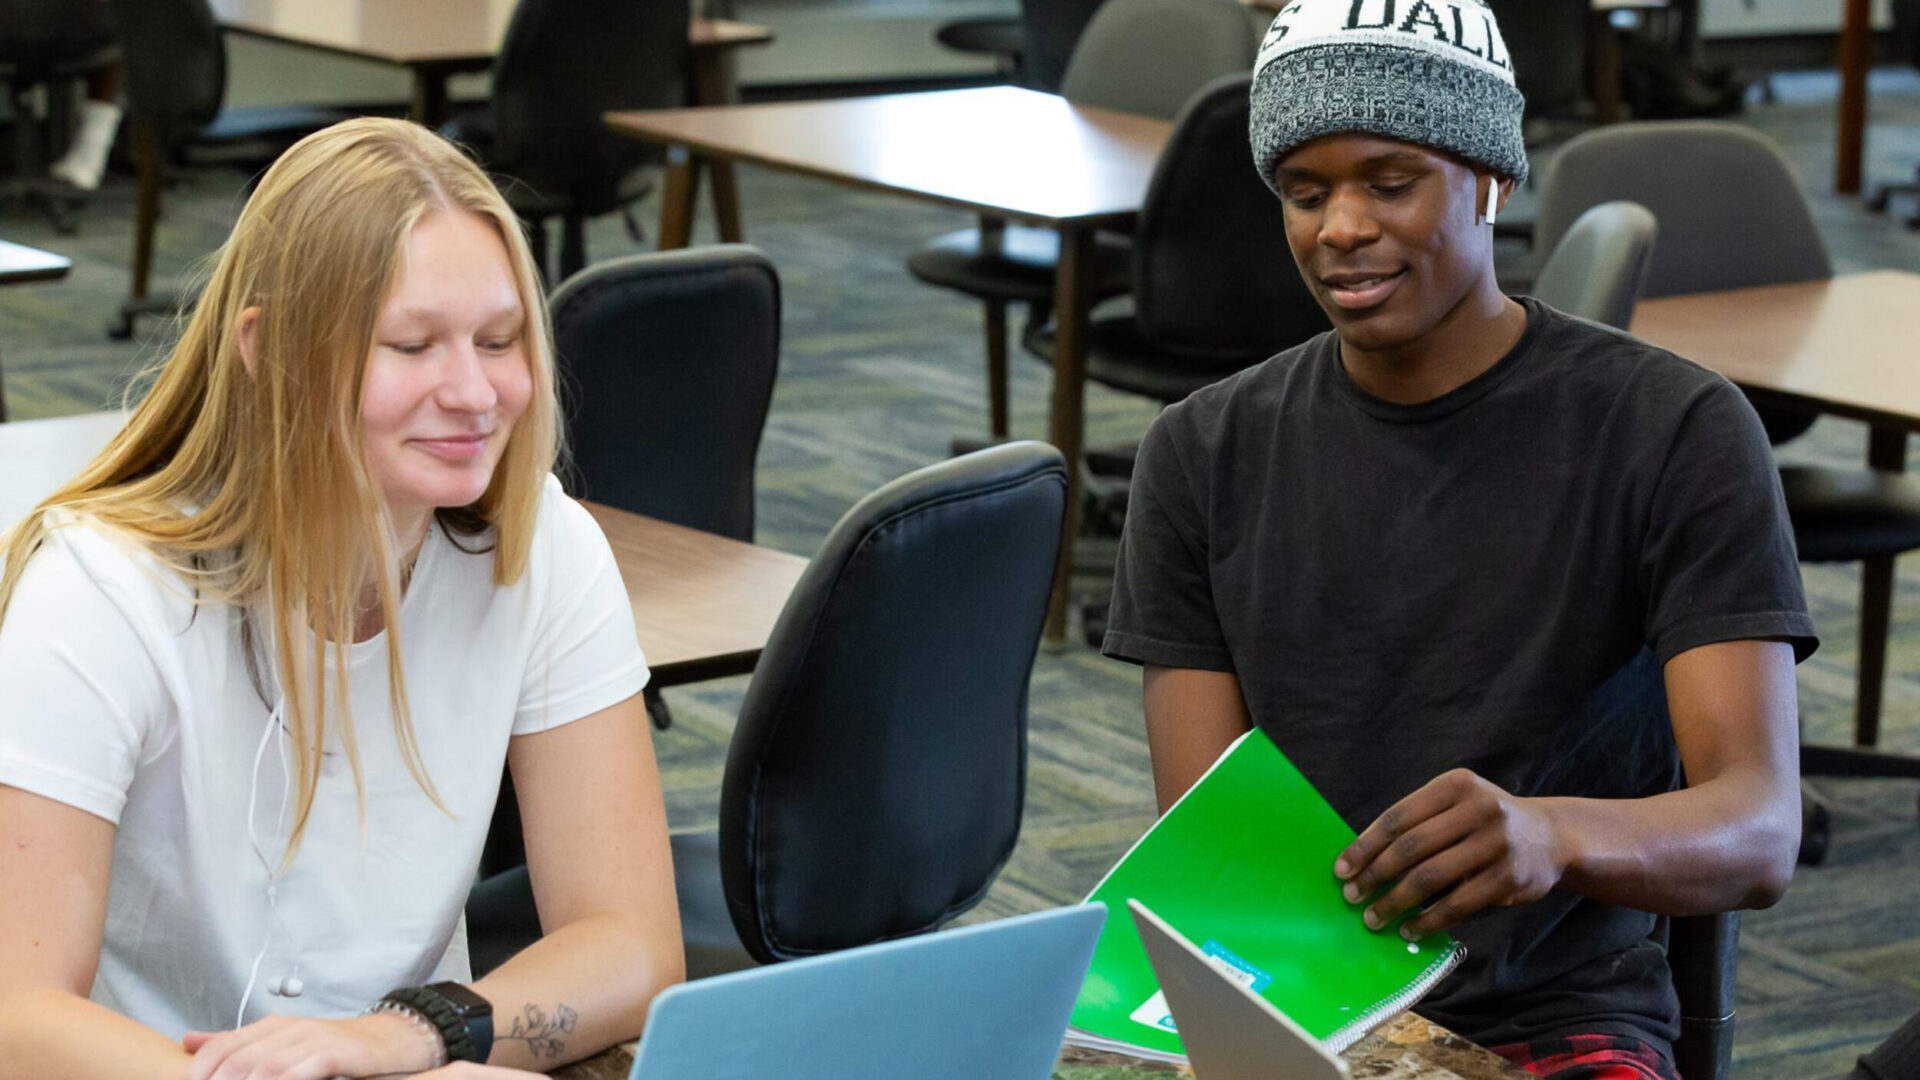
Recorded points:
(1154,1013)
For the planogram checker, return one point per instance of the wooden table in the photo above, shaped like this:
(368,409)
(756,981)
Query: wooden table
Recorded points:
(436,39)
(703,604)
(1002,152)
(1846,346)
(1404,1048)
(21,265)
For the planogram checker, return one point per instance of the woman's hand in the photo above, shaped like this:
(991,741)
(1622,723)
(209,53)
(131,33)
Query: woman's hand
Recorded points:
(291,1048)
(1457,845)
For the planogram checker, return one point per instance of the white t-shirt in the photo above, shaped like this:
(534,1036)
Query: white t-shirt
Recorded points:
(125,701)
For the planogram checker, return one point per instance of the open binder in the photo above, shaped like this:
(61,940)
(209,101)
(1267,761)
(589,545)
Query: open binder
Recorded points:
(1243,866)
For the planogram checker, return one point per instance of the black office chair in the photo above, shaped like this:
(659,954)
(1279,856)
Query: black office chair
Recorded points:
(667,363)
(1595,272)
(998,36)
(176,62)
(875,780)
(1906,28)
(1140,56)
(1707,182)
(1703,952)
(562,66)
(51,44)
(669,360)
(1596,269)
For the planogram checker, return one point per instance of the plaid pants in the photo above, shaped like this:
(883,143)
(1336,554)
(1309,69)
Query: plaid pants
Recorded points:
(1590,1057)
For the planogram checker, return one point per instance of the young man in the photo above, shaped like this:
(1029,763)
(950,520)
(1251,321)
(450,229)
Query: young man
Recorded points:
(1515,591)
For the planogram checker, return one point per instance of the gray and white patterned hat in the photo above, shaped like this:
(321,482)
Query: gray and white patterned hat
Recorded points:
(1433,72)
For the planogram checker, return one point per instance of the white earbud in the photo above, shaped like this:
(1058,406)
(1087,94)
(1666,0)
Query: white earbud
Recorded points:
(1493,197)
(285,987)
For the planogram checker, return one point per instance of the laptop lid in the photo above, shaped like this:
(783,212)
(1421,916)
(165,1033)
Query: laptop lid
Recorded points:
(989,1000)
(1230,1032)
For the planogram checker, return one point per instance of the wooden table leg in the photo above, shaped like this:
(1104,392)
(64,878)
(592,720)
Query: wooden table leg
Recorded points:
(1066,426)
(676,200)
(713,84)
(429,105)
(1851,127)
(1604,68)
(1886,450)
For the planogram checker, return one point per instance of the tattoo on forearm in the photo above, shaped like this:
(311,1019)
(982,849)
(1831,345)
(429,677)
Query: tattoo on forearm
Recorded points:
(542,1032)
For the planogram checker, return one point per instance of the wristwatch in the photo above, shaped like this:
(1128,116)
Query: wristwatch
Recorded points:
(463,1018)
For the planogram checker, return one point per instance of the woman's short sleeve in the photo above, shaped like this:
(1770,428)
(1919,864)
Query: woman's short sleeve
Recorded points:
(83,690)
(585,654)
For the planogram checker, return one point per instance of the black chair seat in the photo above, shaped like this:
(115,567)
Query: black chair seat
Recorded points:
(1023,268)
(996,34)
(1118,355)
(1843,515)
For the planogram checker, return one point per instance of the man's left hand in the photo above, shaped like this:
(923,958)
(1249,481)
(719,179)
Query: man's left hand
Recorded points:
(1455,846)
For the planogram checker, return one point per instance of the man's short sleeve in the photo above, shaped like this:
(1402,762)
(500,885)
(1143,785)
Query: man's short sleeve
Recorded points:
(1163,610)
(1719,562)
(83,691)
(585,654)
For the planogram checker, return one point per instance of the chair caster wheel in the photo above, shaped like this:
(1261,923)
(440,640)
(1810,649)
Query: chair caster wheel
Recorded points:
(1879,200)
(121,328)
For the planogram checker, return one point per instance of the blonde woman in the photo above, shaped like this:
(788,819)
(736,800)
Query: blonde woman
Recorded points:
(265,656)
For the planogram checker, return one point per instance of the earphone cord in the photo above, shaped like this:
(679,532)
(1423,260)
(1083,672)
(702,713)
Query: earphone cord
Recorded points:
(253,840)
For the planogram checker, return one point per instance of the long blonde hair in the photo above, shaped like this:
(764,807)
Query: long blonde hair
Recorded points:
(253,485)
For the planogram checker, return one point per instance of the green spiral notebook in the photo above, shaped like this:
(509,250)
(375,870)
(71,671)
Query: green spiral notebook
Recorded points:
(1243,865)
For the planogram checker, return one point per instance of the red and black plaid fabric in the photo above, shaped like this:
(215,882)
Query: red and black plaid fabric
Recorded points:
(1590,1057)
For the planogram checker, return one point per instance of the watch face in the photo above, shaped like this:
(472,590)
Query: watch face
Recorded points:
(463,998)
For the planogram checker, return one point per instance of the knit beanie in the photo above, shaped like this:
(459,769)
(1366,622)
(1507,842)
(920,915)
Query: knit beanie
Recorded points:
(1433,72)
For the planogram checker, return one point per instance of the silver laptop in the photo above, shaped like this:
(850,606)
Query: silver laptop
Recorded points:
(988,1001)
(1230,1032)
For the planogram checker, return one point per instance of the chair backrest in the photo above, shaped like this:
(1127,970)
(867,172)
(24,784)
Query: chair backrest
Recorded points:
(1703,951)
(1731,213)
(1149,56)
(1049,30)
(875,780)
(1214,283)
(562,65)
(668,360)
(1596,269)
(176,64)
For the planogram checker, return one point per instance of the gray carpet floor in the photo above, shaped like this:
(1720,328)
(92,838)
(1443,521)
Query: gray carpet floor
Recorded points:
(879,373)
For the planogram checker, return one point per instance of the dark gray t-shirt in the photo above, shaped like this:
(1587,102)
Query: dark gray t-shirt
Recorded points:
(1491,579)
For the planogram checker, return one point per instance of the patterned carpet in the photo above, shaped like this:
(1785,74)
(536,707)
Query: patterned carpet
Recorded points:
(879,373)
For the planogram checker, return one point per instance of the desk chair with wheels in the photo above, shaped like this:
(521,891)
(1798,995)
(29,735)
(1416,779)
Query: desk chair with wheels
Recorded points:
(563,65)
(670,358)
(1595,272)
(1708,183)
(667,364)
(176,64)
(1138,56)
(51,45)
(874,784)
